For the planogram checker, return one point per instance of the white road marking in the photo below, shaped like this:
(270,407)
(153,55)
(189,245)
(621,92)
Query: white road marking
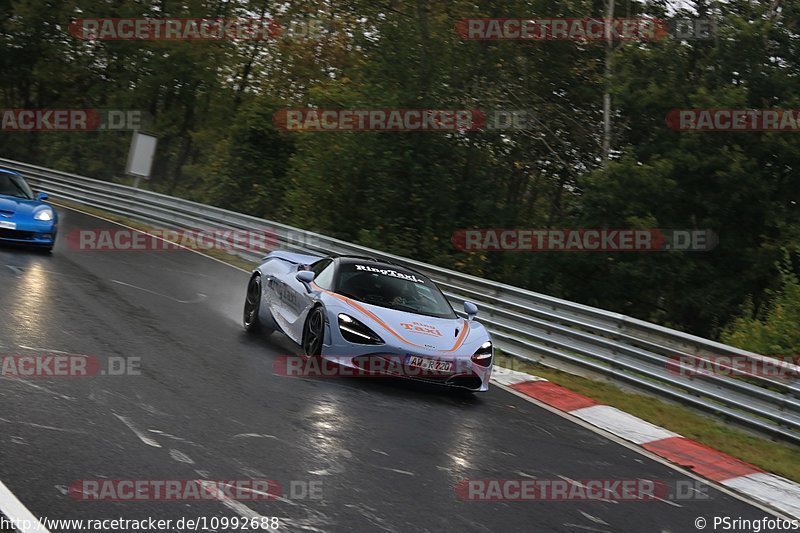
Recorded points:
(43,350)
(13,509)
(584,487)
(302,524)
(144,438)
(40,426)
(404,472)
(37,387)
(233,505)
(154,236)
(181,457)
(586,528)
(594,518)
(174,437)
(371,514)
(200,296)
(254,436)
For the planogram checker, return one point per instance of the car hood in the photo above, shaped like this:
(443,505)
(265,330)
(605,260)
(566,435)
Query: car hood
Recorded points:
(411,329)
(10,205)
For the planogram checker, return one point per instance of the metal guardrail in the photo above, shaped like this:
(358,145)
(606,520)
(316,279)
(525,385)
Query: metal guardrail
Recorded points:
(526,325)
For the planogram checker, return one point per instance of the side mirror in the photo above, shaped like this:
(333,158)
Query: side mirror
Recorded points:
(305,276)
(471,309)
(42,196)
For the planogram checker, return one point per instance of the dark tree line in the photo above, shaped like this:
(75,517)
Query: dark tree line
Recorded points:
(212,105)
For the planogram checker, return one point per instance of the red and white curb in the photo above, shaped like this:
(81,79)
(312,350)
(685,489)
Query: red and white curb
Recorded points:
(707,462)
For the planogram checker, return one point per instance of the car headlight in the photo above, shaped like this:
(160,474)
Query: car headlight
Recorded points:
(44,215)
(483,357)
(354,331)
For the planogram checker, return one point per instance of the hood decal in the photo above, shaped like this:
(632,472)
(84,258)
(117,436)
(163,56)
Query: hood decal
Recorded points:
(461,338)
(459,341)
(420,327)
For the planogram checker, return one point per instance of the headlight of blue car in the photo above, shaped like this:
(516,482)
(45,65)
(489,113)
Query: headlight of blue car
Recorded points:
(354,331)
(44,215)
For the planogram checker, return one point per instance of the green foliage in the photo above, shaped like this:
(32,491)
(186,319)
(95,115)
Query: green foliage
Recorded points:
(773,329)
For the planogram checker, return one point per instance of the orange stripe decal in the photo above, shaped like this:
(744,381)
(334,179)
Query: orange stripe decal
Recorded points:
(369,314)
(461,338)
(459,341)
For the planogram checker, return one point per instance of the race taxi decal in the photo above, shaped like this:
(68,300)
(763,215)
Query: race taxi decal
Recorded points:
(419,327)
(391,273)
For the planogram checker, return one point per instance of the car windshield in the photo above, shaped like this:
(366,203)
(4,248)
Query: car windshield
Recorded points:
(11,185)
(393,288)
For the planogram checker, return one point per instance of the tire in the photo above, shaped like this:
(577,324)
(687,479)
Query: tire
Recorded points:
(314,332)
(252,305)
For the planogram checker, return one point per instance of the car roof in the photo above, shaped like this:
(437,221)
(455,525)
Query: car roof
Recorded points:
(12,172)
(354,258)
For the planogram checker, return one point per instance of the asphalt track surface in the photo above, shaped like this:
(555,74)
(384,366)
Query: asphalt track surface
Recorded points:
(208,405)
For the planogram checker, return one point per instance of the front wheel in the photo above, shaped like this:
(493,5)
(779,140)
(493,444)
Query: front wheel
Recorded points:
(252,305)
(314,333)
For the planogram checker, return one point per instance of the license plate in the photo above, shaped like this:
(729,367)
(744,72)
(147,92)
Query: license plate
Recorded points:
(8,225)
(427,363)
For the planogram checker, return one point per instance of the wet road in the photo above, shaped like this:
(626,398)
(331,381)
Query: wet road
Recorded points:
(386,455)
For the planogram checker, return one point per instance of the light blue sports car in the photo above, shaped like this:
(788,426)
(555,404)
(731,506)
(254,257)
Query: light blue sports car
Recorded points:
(378,317)
(24,217)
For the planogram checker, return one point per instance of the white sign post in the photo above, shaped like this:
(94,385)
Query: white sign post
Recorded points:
(140,156)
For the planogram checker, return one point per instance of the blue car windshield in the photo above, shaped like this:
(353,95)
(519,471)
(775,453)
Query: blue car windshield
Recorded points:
(393,288)
(11,185)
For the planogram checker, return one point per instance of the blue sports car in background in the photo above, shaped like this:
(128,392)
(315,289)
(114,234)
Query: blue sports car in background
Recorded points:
(369,315)
(24,217)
